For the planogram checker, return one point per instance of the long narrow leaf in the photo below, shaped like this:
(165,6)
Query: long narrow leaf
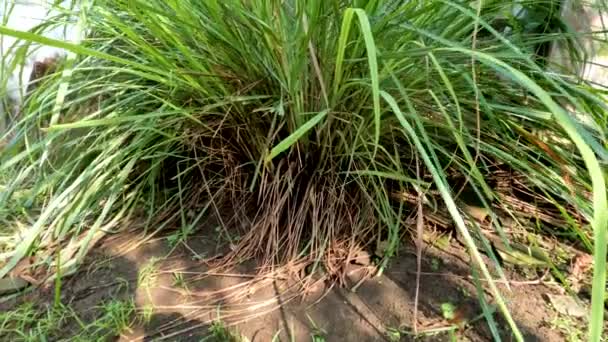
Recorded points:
(295,136)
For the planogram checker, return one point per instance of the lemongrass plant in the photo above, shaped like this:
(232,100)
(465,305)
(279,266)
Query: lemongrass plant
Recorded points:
(299,120)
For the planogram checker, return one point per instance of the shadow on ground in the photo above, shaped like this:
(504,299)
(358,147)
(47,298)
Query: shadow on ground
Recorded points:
(177,300)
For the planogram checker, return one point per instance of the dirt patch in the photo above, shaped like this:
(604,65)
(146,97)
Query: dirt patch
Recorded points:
(180,300)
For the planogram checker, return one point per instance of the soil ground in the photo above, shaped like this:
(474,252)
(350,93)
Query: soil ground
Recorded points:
(182,299)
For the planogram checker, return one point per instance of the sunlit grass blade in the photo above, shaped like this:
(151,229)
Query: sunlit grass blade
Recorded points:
(295,136)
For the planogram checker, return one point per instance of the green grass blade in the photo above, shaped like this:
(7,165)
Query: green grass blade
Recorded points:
(295,136)
(370,46)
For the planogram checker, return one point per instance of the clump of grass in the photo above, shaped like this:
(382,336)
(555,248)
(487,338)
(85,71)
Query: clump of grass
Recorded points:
(219,332)
(300,120)
(568,327)
(148,274)
(62,323)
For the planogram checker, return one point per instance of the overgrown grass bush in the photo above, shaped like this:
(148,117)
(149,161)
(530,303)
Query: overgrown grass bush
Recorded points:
(300,121)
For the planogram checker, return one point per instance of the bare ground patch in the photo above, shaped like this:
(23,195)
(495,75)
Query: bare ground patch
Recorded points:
(177,297)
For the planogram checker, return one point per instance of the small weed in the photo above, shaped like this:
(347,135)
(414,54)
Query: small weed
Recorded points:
(393,334)
(118,315)
(174,239)
(148,274)
(317,338)
(146,313)
(221,333)
(317,334)
(30,323)
(21,321)
(569,328)
(448,310)
(180,282)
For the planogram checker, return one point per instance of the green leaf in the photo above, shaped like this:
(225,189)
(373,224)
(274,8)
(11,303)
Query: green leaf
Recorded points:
(295,136)
(370,46)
